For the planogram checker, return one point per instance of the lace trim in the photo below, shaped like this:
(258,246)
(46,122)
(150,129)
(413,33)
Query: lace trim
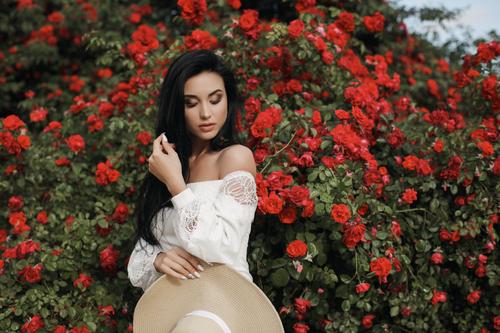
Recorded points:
(142,261)
(239,185)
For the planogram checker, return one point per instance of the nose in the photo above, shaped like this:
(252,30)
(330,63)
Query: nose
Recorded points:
(205,111)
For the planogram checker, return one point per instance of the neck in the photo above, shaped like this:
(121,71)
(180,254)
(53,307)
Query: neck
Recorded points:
(199,148)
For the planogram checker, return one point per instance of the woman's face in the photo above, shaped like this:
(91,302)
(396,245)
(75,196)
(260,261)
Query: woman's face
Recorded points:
(205,102)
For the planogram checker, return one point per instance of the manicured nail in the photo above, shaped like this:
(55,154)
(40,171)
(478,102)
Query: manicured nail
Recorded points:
(200,267)
(191,276)
(183,277)
(164,137)
(197,274)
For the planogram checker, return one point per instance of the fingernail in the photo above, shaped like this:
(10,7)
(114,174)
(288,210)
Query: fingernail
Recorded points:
(183,277)
(191,276)
(197,274)
(200,267)
(164,137)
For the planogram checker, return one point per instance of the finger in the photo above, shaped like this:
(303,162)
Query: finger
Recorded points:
(192,260)
(173,273)
(167,146)
(157,145)
(181,269)
(186,265)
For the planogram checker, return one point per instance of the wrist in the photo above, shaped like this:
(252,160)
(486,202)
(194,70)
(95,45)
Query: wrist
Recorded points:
(177,188)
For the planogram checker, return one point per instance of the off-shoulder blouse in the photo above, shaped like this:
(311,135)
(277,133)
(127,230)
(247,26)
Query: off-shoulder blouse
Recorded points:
(210,219)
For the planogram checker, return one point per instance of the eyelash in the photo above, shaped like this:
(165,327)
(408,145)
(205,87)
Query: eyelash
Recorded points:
(192,105)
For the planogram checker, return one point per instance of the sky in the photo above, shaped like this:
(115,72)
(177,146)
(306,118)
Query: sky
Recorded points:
(478,17)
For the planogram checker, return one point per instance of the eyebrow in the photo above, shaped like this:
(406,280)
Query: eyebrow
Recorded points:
(213,92)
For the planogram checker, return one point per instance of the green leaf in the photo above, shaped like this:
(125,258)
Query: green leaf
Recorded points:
(342,291)
(394,311)
(280,278)
(346,305)
(382,235)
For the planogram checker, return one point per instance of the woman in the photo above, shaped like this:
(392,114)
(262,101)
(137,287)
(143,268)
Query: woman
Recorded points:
(198,199)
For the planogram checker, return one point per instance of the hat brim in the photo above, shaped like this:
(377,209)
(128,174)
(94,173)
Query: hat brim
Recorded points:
(221,290)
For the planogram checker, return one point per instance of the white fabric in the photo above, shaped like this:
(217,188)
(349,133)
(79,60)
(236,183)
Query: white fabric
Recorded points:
(209,219)
(211,315)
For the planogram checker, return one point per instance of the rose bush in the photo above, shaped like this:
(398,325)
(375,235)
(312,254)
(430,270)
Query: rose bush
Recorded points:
(376,151)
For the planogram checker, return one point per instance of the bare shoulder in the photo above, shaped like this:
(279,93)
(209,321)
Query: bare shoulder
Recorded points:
(236,157)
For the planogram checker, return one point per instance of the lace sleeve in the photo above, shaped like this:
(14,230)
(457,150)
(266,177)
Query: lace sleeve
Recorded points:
(140,268)
(214,231)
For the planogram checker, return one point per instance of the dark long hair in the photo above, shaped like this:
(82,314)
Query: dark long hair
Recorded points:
(153,194)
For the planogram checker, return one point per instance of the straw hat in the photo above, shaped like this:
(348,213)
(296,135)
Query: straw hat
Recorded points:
(221,301)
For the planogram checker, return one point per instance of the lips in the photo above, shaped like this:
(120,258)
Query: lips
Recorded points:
(207,127)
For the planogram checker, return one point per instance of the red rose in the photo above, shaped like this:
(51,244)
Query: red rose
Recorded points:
(342,114)
(252,106)
(84,280)
(108,258)
(327,57)
(248,19)
(121,213)
(144,39)
(295,28)
(362,287)
(38,114)
(193,11)
(437,258)
(143,137)
(353,234)
(374,23)
(106,310)
(272,204)
(302,305)
(406,311)
(300,328)
(288,215)
(395,229)
(105,174)
(298,195)
(474,297)
(396,138)
(235,4)
(496,323)
(438,146)
(75,143)
(15,202)
(42,217)
(340,213)
(438,296)
(60,329)
(33,325)
(32,274)
(409,195)
(297,248)
(486,148)
(381,267)
(345,21)
(367,320)
(489,87)
(199,40)
(294,86)
(13,122)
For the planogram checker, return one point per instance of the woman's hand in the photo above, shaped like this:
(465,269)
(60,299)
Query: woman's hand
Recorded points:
(178,263)
(165,164)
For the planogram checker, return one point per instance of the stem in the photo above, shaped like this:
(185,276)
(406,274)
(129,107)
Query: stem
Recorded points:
(410,210)
(279,151)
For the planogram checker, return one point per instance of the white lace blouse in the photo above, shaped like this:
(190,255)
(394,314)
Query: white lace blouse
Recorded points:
(210,219)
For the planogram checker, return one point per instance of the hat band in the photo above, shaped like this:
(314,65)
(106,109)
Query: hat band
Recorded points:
(211,315)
